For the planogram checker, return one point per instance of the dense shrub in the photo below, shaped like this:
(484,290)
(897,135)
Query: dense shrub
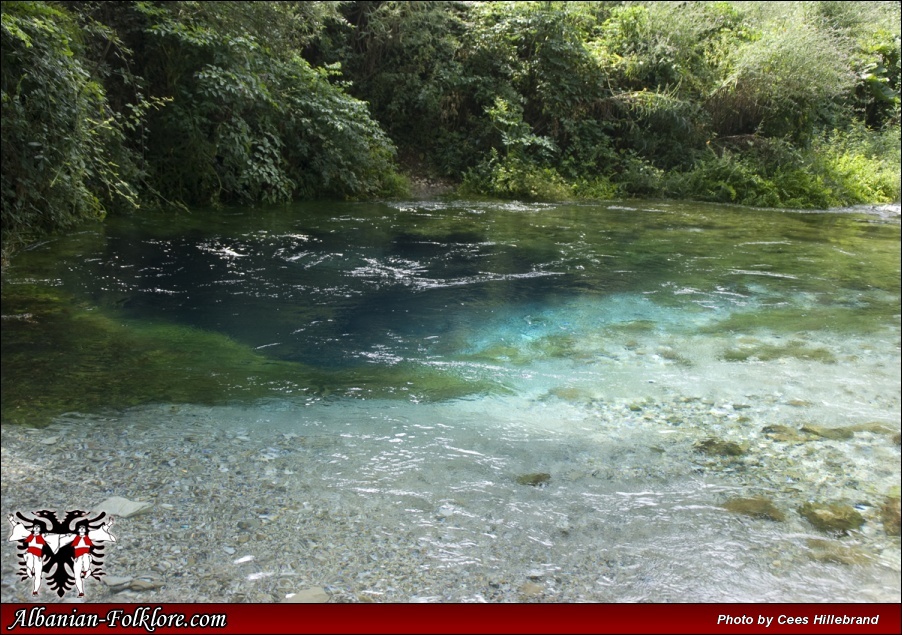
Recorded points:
(639,99)
(514,177)
(250,122)
(63,158)
(402,56)
(112,104)
(860,166)
(783,83)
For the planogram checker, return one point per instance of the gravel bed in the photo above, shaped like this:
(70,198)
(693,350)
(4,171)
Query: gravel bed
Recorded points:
(403,502)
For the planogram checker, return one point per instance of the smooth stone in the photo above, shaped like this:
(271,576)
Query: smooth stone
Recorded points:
(445,511)
(784,434)
(531,589)
(718,447)
(249,525)
(144,584)
(312,595)
(116,582)
(756,507)
(832,551)
(49,440)
(836,434)
(832,517)
(889,514)
(119,507)
(568,394)
(872,426)
(536,479)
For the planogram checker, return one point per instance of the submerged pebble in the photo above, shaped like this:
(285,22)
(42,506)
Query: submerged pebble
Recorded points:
(531,590)
(120,507)
(832,517)
(719,447)
(889,514)
(785,434)
(536,479)
(834,551)
(756,507)
(828,433)
(313,595)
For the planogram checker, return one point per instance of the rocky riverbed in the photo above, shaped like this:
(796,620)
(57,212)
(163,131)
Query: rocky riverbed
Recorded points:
(673,499)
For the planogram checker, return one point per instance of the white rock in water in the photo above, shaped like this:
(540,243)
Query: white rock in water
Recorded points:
(115,581)
(144,585)
(313,595)
(50,440)
(119,507)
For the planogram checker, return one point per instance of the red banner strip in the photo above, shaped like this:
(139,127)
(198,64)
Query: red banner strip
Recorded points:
(275,619)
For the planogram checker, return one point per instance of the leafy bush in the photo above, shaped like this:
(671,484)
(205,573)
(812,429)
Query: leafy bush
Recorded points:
(251,124)
(63,158)
(782,83)
(840,168)
(515,177)
(878,68)
(638,177)
(596,189)
(861,166)
(107,104)
(402,56)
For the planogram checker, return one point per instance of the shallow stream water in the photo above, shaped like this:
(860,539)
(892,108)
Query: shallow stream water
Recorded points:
(464,401)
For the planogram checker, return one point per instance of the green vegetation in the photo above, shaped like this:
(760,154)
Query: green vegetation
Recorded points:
(61,145)
(110,106)
(783,104)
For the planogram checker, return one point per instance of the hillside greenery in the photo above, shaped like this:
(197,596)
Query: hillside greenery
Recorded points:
(110,106)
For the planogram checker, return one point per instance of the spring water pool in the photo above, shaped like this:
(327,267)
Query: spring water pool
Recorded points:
(467,401)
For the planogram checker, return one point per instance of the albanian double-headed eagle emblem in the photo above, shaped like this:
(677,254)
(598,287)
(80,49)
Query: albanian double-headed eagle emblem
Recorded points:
(64,551)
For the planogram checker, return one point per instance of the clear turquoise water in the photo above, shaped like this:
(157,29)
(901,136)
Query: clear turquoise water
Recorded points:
(447,348)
